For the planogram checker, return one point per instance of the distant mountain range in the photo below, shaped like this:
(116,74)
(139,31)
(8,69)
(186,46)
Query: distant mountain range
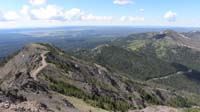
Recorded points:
(159,70)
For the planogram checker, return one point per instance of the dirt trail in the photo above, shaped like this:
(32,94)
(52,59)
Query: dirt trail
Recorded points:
(165,77)
(34,73)
(160,78)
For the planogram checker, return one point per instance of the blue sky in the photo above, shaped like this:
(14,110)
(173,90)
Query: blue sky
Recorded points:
(49,13)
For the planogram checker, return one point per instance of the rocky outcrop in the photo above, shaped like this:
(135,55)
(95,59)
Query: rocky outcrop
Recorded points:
(21,92)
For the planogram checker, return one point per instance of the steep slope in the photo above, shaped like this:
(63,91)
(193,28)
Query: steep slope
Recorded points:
(181,39)
(168,45)
(19,89)
(136,65)
(168,59)
(36,77)
(193,35)
(171,47)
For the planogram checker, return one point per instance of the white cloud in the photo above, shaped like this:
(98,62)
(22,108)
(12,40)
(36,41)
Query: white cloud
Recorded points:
(136,18)
(141,10)
(123,2)
(77,14)
(50,12)
(37,2)
(131,18)
(91,17)
(73,14)
(52,15)
(123,18)
(170,16)
(25,12)
(1,16)
(11,16)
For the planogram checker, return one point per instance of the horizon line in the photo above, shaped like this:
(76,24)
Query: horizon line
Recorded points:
(133,26)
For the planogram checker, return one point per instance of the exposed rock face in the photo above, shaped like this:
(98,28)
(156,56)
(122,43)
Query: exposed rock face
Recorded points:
(20,91)
(26,106)
(193,35)
(182,40)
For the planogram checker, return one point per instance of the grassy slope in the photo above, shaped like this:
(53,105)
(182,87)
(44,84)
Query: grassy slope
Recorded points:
(83,106)
(137,65)
(167,50)
(136,45)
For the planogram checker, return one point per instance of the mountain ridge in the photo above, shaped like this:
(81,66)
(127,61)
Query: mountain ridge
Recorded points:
(70,76)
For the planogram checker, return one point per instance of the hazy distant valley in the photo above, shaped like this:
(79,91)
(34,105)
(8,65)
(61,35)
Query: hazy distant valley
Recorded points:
(71,38)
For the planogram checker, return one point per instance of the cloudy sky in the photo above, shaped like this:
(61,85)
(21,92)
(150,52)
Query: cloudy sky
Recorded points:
(50,13)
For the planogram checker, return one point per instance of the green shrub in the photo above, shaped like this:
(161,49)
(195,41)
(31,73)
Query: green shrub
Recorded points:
(105,102)
(192,110)
(150,98)
(179,102)
(67,89)
(108,103)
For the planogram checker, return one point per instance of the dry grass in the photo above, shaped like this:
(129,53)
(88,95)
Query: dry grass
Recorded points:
(83,106)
